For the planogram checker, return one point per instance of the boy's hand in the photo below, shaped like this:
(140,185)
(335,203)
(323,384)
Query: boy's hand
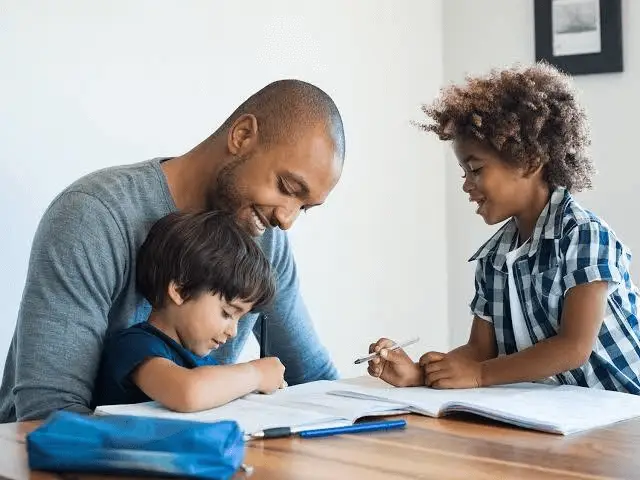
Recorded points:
(270,374)
(450,371)
(394,366)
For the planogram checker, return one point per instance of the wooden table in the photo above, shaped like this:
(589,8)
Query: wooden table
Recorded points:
(458,447)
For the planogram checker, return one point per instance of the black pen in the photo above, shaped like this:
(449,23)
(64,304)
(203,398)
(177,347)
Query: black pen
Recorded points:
(281,432)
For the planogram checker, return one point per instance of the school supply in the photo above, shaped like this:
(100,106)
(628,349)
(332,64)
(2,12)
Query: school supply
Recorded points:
(394,347)
(560,409)
(125,445)
(300,408)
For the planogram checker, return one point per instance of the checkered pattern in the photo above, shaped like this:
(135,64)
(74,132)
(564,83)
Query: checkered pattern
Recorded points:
(570,246)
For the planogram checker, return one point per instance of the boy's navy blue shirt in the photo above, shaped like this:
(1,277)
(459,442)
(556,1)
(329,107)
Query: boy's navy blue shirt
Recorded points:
(125,351)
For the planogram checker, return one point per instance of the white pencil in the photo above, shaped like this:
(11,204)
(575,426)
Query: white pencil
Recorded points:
(394,347)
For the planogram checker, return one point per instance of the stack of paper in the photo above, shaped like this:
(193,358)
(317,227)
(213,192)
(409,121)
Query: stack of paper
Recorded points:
(550,408)
(562,409)
(300,407)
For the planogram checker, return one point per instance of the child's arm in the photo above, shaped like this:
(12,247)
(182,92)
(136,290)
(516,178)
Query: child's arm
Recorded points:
(481,345)
(582,317)
(190,390)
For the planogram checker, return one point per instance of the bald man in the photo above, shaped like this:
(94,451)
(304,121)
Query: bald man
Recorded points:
(279,153)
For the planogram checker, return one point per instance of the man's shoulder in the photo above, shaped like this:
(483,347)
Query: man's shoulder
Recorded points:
(125,199)
(119,183)
(274,243)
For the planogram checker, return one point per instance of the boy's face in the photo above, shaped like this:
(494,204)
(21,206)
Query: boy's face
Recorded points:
(500,190)
(205,322)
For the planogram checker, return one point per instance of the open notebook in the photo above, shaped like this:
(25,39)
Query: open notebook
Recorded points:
(560,409)
(549,408)
(301,407)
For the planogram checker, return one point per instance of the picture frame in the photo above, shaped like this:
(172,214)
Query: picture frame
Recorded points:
(579,37)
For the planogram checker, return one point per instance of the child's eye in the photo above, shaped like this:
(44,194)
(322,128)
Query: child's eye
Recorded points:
(226,314)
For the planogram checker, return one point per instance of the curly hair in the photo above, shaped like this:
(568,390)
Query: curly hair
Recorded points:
(529,114)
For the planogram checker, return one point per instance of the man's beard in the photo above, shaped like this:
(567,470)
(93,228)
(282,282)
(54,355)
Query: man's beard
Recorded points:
(225,195)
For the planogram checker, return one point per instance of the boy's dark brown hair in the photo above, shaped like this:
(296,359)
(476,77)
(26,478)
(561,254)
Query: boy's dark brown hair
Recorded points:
(203,253)
(529,114)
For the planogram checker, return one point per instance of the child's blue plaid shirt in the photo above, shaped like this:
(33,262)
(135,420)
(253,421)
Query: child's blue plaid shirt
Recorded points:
(569,246)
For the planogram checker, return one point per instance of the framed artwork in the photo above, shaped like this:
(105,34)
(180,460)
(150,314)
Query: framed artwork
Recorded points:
(579,36)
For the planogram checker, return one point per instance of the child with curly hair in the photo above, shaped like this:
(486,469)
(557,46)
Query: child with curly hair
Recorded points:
(553,301)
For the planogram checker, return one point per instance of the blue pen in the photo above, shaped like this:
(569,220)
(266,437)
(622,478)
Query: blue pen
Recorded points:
(281,432)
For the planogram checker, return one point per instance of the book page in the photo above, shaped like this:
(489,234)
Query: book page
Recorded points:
(249,416)
(431,401)
(298,407)
(313,397)
(563,409)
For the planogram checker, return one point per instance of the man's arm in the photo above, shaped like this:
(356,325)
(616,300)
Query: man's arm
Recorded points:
(75,269)
(291,335)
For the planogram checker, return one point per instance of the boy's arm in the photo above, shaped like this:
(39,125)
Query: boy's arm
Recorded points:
(582,317)
(482,339)
(191,390)
(593,261)
(482,342)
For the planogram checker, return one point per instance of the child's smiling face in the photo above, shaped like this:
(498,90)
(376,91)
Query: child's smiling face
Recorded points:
(499,189)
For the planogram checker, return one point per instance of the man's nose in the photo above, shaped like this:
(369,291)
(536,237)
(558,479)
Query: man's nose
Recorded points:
(286,216)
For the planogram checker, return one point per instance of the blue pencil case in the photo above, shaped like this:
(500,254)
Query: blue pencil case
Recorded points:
(128,445)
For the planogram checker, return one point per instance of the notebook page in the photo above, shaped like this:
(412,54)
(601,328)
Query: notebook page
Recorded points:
(430,401)
(249,417)
(313,397)
(562,409)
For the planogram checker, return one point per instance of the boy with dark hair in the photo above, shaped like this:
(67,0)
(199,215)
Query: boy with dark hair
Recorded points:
(201,273)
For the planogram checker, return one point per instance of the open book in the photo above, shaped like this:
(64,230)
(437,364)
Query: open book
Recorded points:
(561,409)
(301,407)
(558,409)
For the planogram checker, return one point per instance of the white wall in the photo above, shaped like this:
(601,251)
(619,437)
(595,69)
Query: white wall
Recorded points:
(481,35)
(86,85)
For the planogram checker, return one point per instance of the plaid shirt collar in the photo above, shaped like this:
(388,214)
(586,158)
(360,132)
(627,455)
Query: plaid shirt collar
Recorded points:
(548,226)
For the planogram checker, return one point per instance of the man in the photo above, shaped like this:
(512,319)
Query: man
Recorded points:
(279,153)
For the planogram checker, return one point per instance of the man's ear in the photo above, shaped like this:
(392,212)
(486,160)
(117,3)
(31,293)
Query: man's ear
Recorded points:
(242,137)
(174,293)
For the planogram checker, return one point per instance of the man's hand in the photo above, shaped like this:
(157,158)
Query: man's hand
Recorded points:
(442,370)
(394,366)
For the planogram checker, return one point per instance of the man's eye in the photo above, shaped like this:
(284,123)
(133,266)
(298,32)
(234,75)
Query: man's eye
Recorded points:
(285,188)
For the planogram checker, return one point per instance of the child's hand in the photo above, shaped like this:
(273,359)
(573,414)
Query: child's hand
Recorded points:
(394,366)
(450,371)
(270,374)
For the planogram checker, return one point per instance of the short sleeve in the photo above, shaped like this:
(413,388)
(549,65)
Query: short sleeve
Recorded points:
(591,252)
(481,305)
(127,350)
